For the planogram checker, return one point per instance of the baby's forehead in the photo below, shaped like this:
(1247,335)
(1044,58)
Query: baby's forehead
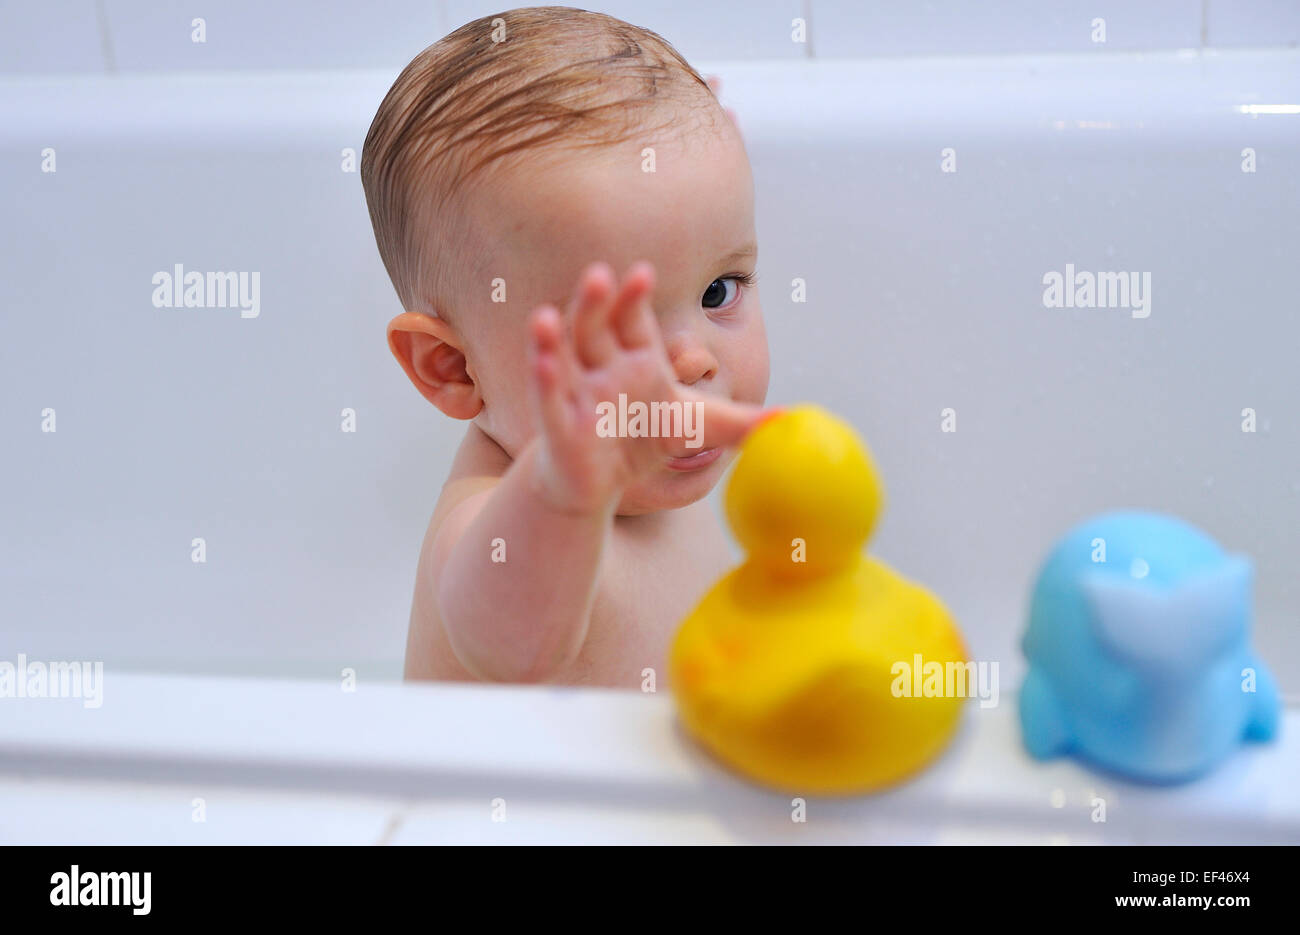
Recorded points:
(677,197)
(619,185)
(677,136)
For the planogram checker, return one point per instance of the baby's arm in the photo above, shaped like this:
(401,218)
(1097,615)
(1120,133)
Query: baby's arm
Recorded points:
(520,619)
(526,618)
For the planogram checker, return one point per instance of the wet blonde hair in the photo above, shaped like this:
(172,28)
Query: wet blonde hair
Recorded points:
(489,94)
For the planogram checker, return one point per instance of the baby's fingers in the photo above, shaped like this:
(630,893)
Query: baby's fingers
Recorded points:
(592,339)
(551,370)
(632,319)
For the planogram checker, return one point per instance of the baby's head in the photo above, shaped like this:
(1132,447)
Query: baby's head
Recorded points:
(521,148)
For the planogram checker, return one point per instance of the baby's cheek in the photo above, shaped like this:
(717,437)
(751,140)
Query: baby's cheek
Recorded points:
(754,369)
(512,417)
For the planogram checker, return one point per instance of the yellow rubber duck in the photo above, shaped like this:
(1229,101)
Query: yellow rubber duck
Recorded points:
(797,668)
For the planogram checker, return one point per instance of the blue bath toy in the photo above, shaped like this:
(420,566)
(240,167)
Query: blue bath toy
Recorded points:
(1139,651)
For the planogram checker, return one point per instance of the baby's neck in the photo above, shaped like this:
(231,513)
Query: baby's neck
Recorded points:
(643,525)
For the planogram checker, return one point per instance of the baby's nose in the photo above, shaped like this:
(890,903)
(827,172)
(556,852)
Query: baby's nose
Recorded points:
(692,361)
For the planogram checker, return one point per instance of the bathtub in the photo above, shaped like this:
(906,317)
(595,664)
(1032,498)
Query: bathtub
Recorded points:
(202,759)
(179,426)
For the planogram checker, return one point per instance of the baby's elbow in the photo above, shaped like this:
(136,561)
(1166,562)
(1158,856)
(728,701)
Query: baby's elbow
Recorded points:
(519,661)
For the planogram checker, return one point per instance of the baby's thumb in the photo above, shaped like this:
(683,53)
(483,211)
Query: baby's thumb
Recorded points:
(723,422)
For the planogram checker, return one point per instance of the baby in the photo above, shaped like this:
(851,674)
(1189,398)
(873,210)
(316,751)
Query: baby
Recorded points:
(514,169)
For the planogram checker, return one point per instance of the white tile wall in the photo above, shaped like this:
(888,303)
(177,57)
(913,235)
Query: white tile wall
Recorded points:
(1252,22)
(718,30)
(250,34)
(529,821)
(40,810)
(844,29)
(78,36)
(57,35)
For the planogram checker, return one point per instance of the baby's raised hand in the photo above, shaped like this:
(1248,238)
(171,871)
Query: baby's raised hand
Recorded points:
(613,346)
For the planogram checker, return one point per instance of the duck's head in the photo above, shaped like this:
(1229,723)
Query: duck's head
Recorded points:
(804,495)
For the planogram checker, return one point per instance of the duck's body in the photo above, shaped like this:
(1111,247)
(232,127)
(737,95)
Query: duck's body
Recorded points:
(788,670)
(796,686)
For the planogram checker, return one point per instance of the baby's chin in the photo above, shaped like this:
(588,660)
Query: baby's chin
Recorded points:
(670,489)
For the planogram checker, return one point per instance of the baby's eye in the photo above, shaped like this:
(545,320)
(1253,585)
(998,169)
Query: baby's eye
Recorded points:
(723,292)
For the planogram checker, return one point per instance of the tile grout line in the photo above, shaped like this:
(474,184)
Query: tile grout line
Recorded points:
(808,30)
(105,38)
(394,824)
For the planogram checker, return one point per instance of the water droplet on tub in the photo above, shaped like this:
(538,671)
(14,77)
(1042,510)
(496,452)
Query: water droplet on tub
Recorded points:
(1139,568)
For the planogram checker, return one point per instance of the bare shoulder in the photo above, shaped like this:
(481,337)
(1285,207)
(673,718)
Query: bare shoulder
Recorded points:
(477,468)
(479,465)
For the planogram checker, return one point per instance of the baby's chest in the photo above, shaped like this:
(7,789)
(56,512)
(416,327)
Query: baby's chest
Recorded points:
(646,592)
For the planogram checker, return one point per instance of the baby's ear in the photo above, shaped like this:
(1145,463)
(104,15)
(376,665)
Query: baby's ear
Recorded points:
(433,356)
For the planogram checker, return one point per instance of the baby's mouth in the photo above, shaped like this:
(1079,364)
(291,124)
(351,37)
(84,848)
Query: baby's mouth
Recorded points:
(694,461)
